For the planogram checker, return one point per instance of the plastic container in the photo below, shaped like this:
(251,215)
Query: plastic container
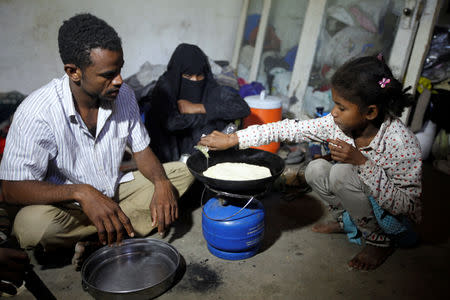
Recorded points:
(233,231)
(264,109)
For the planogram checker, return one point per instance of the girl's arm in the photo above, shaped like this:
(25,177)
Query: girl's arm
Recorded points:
(287,130)
(318,130)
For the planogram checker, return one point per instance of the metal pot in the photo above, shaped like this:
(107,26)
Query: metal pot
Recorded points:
(140,268)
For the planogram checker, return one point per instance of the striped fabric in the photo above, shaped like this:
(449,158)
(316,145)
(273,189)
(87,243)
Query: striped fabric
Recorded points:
(49,141)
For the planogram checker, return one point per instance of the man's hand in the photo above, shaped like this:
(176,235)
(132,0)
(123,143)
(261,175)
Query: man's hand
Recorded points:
(219,141)
(164,205)
(13,264)
(187,107)
(346,153)
(105,214)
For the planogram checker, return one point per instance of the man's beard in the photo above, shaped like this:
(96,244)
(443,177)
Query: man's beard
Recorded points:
(105,103)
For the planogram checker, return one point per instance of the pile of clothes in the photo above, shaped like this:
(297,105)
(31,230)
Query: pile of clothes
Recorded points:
(352,28)
(430,120)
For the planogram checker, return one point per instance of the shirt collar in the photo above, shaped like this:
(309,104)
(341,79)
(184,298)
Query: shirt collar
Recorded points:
(376,142)
(65,95)
(69,107)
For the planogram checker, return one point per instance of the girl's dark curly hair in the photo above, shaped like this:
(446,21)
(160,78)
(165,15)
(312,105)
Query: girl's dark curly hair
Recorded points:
(82,33)
(358,81)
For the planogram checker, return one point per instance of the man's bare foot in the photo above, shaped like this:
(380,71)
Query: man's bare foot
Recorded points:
(83,250)
(329,227)
(370,257)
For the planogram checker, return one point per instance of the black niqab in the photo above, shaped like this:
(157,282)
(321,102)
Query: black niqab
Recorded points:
(191,90)
(188,59)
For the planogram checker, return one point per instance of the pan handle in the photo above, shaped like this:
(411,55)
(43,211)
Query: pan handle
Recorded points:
(224,193)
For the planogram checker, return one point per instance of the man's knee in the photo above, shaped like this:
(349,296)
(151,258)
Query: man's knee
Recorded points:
(34,224)
(179,175)
(177,168)
(317,169)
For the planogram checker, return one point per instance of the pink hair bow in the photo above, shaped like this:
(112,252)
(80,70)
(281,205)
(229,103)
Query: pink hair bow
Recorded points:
(383,82)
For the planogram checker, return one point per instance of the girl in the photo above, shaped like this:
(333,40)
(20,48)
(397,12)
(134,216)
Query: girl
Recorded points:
(188,102)
(377,174)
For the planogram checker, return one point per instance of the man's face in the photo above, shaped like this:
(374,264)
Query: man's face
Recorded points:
(101,79)
(346,114)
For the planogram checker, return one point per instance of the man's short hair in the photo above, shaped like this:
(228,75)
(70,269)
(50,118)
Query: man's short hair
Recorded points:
(80,34)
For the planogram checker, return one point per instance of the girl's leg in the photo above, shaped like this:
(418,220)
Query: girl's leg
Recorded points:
(317,175)
(353,194)
(340,186)
(353,197)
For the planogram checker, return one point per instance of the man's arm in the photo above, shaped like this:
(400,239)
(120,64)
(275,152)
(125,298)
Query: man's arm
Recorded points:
(29,192)
(103,212)
(164,206)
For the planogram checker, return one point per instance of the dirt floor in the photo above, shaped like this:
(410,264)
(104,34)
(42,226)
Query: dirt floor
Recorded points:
(294,262)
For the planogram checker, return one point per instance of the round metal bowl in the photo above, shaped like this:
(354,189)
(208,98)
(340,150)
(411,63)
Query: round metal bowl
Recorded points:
(138,269)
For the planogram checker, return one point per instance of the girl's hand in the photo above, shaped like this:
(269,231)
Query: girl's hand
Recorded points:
(346,153)
(219,140)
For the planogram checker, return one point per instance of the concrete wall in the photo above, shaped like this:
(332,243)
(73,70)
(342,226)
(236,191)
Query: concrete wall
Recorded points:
(150,31)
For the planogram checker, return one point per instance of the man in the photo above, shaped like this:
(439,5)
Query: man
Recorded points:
(65,146)
(13,262)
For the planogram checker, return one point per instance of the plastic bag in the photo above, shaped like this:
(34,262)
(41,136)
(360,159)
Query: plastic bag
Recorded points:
(315,99)
(437,61)
(439,49)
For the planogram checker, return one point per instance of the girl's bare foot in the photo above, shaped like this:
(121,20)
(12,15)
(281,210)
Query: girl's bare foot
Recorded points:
(329,227)
(370,257)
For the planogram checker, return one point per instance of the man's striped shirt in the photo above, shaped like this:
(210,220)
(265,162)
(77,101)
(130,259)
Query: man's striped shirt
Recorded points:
(48,140)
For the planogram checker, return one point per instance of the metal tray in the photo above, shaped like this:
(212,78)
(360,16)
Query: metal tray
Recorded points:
(140,268)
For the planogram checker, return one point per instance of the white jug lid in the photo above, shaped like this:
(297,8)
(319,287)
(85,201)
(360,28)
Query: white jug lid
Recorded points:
(262,101)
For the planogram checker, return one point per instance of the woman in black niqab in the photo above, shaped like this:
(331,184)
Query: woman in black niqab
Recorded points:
(188,102)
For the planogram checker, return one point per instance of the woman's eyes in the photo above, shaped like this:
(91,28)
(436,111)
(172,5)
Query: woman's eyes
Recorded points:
(189,76)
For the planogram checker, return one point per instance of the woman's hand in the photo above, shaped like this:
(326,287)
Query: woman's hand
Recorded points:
(219,140)
(187,107)
(346,153)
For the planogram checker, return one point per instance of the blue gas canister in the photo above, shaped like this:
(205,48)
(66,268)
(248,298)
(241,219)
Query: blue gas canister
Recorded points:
(233,229)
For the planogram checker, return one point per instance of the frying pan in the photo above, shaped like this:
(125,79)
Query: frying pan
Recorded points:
(197,163)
